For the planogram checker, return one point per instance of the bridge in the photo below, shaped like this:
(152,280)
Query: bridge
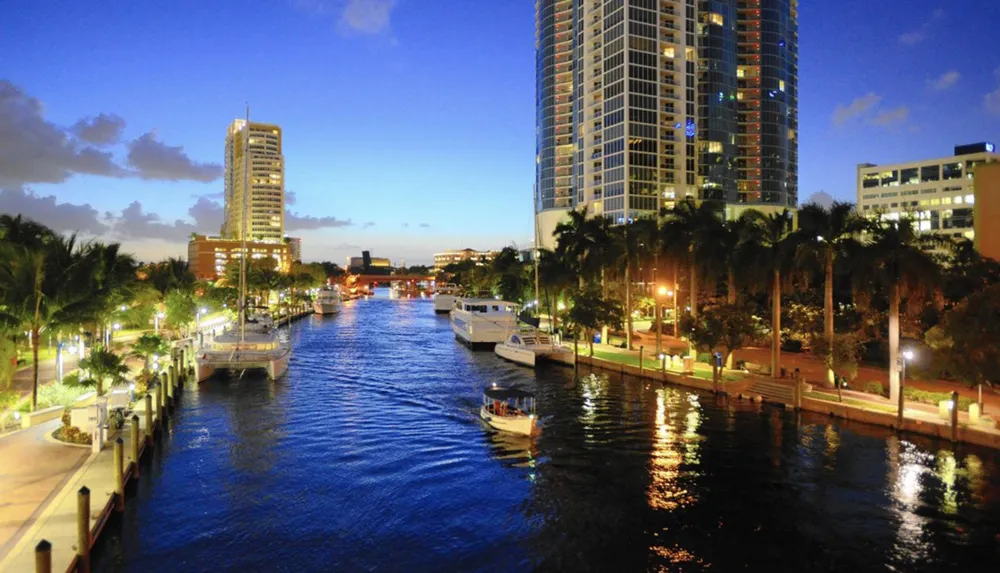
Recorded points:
(369,279)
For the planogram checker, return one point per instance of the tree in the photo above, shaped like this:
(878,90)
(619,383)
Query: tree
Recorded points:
(772,245)
(722,253)
(591,311)
(723,328)
(842,358)
(686,230)
(180,308)
(46,285)
(826,235)
(509,274)
(104,365)
(169,275)
(967,341)
(628,250)
(149,345)
(555,277)
(897,262)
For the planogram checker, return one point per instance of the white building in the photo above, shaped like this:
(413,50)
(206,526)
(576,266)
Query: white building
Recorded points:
(937,192)
(266,216)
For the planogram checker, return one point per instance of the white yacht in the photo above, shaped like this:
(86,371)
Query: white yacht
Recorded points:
(444,297)
(327,301)
(527,344)
(477,321)
(254,343)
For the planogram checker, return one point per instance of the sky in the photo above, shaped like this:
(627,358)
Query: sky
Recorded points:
(408,125)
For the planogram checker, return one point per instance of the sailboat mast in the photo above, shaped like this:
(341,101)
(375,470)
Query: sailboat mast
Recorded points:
(243,225)
(534,253)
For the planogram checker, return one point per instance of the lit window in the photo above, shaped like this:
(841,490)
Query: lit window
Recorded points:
(668,52)
(970,199)
(713,146)
(781,85)
(935,201)
(946,200)
(958,200)
(713,18)
(925,225)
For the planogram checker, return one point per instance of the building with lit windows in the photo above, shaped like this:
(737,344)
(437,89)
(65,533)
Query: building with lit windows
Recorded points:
(209,256)
(986,210)
(266,166)
(645,102)
(442,260)
(294,248)
(939,193)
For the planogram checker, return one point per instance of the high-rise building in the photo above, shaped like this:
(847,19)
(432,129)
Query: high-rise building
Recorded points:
(294,248)
(650,101)
(266,216)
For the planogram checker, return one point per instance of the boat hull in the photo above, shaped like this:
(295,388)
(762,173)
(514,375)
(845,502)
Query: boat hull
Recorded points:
(523,356)
(443,303)
(274,367)
(478,333)
(326,307)
(521,425)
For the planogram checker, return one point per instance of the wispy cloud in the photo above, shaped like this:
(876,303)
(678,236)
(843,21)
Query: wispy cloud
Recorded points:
(354,17)
(857,108)
(918,35)
(945,81)
(891,117)
(368,224)
(991,101)
(425,225)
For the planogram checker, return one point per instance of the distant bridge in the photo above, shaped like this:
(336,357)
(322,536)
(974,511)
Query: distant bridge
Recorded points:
(369,279)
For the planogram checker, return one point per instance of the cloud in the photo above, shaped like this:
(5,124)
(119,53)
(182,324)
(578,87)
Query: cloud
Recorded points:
(368,224)
(207,214)
(105,129)
(945,81)
(821,198)
(34,150)
(859,107)
(153,159)
(891,117)
(425,225)
(62,217)
(914,37)
(354,17)
(290,197)
(346,247)
(366,16)
(295,222)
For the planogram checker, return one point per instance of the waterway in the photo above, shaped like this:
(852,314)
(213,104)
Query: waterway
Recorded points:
(369,456)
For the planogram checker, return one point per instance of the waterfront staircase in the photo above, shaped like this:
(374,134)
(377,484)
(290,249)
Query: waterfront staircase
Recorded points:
(774,391)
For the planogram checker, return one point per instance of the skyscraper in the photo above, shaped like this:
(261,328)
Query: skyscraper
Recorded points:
(266,216)
(667,99)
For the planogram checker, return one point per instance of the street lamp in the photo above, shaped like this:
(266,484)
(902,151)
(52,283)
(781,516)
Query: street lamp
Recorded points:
(905,356)
(114,328)
(156,321)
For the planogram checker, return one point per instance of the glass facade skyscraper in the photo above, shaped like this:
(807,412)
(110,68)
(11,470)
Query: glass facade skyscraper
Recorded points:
(667,99)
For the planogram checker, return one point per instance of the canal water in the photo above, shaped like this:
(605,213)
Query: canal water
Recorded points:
(369,456)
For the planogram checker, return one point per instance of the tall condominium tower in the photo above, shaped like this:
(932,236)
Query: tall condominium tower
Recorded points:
(667,99)
(266,216)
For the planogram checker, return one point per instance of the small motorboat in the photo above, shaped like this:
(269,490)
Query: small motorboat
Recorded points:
(527,344)
(509,409)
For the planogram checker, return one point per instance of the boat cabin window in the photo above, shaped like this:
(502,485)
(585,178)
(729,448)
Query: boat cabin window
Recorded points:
(496,308)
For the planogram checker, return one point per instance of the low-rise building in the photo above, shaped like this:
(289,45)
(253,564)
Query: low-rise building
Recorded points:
(986,211)
(294,248)
(938,193)
(441,260)
(208,256)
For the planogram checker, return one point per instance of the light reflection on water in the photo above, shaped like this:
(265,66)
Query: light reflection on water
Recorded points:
(370,456)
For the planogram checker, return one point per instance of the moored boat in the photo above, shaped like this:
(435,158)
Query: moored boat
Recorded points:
(509,409)
(327,301)
(444,297)
(527,345)
(482,321)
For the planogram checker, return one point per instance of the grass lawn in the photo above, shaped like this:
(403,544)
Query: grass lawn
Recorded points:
(44,353)
(851,402)
(701,371)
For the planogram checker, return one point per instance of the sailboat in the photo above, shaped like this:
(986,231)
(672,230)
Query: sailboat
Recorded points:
(254,344)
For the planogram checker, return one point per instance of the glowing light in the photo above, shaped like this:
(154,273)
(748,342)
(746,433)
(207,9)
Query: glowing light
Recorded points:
(908,355)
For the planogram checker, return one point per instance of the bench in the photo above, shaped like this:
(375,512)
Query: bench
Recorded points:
(759,369)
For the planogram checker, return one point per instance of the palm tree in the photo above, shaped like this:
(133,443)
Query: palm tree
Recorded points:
(685,232)
(826,234)
(723,253)
(47,285)
(555,275)
(627,251)
(897,261)
(772,244)
(104,365)
(148,346)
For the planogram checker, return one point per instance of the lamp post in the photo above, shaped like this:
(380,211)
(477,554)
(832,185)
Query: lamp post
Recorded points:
(905,356)
(114,328)
(660,292)
(156,321)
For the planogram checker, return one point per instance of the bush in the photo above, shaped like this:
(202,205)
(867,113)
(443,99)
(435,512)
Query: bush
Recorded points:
(71,434)
(8,398)
(705,357)
(874,388)
(933,398)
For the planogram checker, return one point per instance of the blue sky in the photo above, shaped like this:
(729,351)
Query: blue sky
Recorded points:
(409,124)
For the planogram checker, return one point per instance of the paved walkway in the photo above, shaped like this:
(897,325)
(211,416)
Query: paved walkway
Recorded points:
(24,377)
(32,472)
